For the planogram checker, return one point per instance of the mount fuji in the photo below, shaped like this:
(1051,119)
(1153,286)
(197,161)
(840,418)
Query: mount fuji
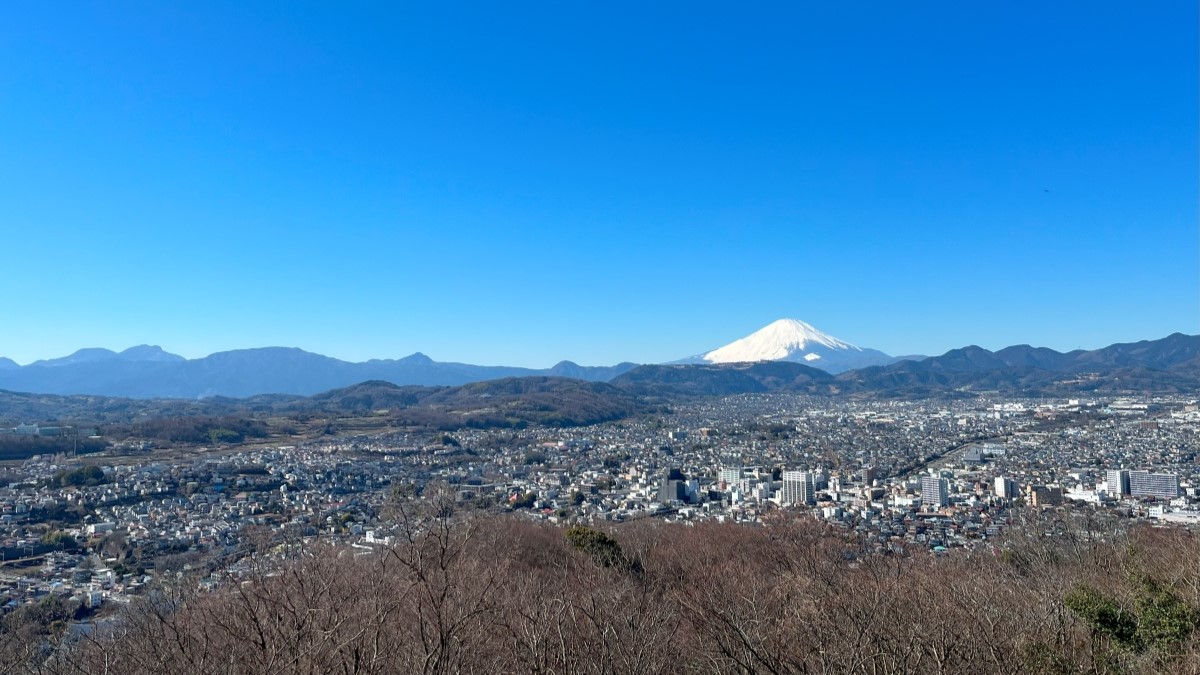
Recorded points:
(794,340)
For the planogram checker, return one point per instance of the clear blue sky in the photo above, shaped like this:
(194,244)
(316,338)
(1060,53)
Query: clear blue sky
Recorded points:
(520,183)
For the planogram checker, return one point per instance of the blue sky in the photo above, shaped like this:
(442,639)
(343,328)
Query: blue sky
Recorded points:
(521,183)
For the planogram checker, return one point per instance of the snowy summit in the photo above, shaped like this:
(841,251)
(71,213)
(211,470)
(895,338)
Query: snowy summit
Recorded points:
(778,341)
(795,340)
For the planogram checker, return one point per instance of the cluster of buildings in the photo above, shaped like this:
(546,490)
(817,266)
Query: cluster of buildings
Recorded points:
(942,474)
(35,430)
(109,539)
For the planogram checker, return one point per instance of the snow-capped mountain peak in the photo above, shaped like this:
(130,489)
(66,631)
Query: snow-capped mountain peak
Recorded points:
(794,340)
(779,340)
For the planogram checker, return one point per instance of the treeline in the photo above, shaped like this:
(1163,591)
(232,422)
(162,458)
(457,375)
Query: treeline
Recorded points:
(36,623)
(564,414)
(84,476)
(511,403)
(466,594)
(13,447)
(518,403)
(196,430)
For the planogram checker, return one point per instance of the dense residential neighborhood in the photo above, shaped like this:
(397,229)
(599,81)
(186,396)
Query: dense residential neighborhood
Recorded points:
(938,474)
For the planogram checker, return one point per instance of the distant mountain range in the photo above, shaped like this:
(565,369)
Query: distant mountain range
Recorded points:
(1169,365)
(149,372)
(787,355)
(143,353)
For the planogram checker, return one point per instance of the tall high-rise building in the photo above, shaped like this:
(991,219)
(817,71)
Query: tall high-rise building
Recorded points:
(731,476)
(672,490)
(798,488)
(935,491)
(673,486)
(1006,488)
(867,474)
(1118,482)
(1158,485)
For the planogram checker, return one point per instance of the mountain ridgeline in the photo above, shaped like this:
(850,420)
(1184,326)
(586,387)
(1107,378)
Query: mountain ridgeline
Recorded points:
(368,407)
(149,372)
(1169,365)
(786,356)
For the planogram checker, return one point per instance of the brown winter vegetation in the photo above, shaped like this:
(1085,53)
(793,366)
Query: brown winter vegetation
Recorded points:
(485,594)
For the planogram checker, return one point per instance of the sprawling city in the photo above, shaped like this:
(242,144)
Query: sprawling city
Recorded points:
(599,338)
(938,476)
(934,474)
